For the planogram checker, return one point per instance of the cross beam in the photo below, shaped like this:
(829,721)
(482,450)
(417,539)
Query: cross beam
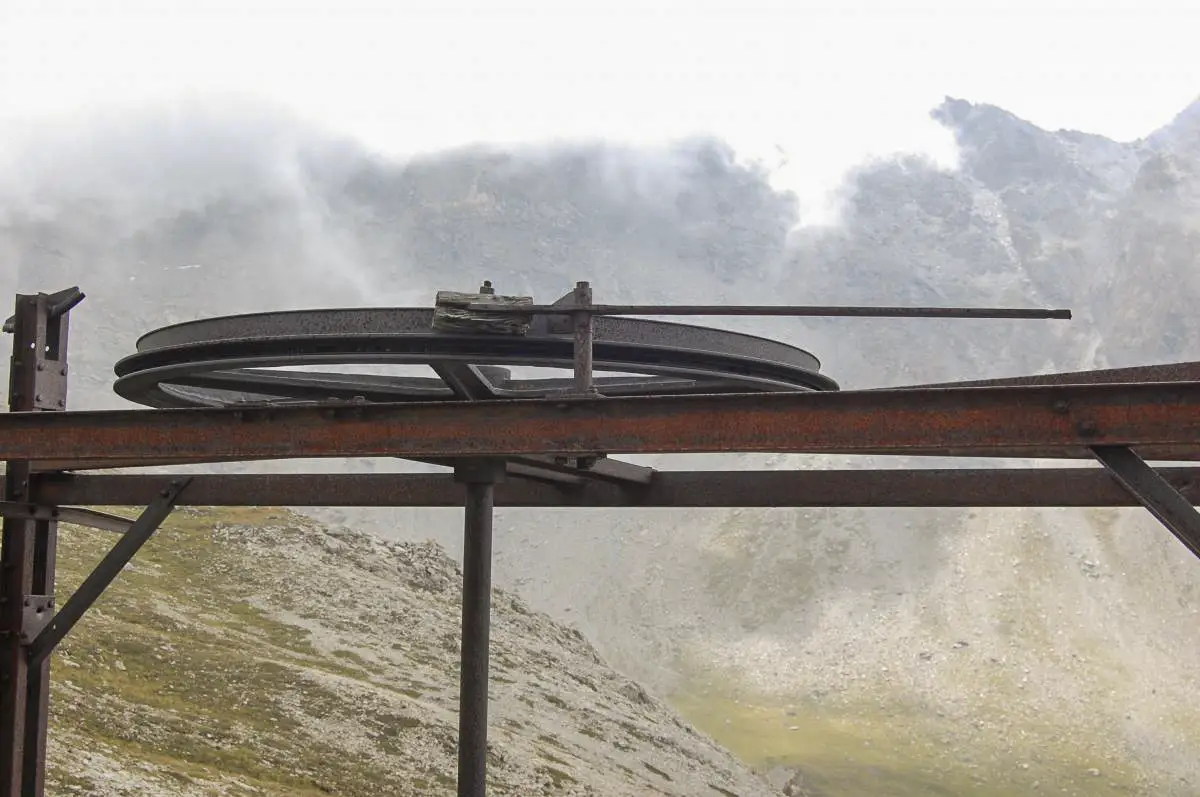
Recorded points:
(1162,420)
(1002,487)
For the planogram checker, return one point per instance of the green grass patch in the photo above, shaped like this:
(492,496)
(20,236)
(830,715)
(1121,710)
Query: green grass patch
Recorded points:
(897,752)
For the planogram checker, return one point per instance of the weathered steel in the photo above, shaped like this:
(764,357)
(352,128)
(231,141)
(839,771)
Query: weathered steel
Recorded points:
(1161,419)
(1165,372)
(106,571)
(585,332)
(1004,487)
(37,384)
(480,479)
(216,361)
(791,311)
(66,514)
(465,380)
(1154,492)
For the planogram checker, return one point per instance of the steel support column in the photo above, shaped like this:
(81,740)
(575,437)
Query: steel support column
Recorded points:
(480,479)
(37,382)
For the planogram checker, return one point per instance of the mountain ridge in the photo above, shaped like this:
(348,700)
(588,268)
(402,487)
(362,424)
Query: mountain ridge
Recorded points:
(776,608)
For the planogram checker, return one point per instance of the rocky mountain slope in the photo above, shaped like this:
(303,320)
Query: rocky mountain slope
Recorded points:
(255,652)
(979,652)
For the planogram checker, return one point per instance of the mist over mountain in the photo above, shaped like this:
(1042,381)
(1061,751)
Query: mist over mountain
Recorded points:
(1027,647)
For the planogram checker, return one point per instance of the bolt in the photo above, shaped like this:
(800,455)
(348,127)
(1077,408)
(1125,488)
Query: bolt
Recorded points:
(1088,428)
(41,366)
(1062,406)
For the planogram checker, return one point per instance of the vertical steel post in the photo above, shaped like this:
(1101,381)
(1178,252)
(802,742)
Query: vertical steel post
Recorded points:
(585,325)
(480,479)
(37,382)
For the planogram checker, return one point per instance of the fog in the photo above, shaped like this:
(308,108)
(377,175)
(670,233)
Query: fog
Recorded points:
(356,174)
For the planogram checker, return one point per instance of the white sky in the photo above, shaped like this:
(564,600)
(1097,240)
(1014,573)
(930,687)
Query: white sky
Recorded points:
(827,83)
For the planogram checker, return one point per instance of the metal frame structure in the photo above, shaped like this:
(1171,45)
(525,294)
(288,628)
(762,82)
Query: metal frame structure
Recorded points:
(551,450)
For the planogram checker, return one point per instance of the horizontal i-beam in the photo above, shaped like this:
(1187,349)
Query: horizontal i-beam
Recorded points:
(1162,420)
(1008,487)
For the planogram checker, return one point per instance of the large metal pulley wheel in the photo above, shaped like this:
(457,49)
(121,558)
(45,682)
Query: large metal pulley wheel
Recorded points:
(232,360)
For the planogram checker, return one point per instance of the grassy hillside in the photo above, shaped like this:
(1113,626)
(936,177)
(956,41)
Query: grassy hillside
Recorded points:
(255,652)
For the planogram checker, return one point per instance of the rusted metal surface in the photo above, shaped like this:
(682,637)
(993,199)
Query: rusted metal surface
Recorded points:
(1154,492)
(1165,372)
(38,386)
(1004,487)
(1161,419)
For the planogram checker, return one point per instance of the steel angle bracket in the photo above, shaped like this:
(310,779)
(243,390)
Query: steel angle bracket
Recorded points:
(65,514)
(55,628)
(1154,492)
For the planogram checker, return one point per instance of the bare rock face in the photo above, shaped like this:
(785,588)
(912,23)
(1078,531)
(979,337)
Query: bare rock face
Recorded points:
(259,653)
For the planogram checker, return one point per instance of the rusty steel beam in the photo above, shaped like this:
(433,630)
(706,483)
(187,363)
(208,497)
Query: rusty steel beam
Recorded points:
(1004,487)
(1166,372)
(1161,419)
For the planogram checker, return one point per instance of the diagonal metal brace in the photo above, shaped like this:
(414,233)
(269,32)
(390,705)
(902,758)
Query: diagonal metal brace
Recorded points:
(106,572)
(1153,492)
(66,514)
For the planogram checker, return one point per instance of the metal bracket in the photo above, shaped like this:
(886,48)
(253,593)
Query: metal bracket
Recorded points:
(106,572)
(36,614)
(479,470)
(579,319)
(552,324)
(65,514)
(1154,492)
(59,304)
